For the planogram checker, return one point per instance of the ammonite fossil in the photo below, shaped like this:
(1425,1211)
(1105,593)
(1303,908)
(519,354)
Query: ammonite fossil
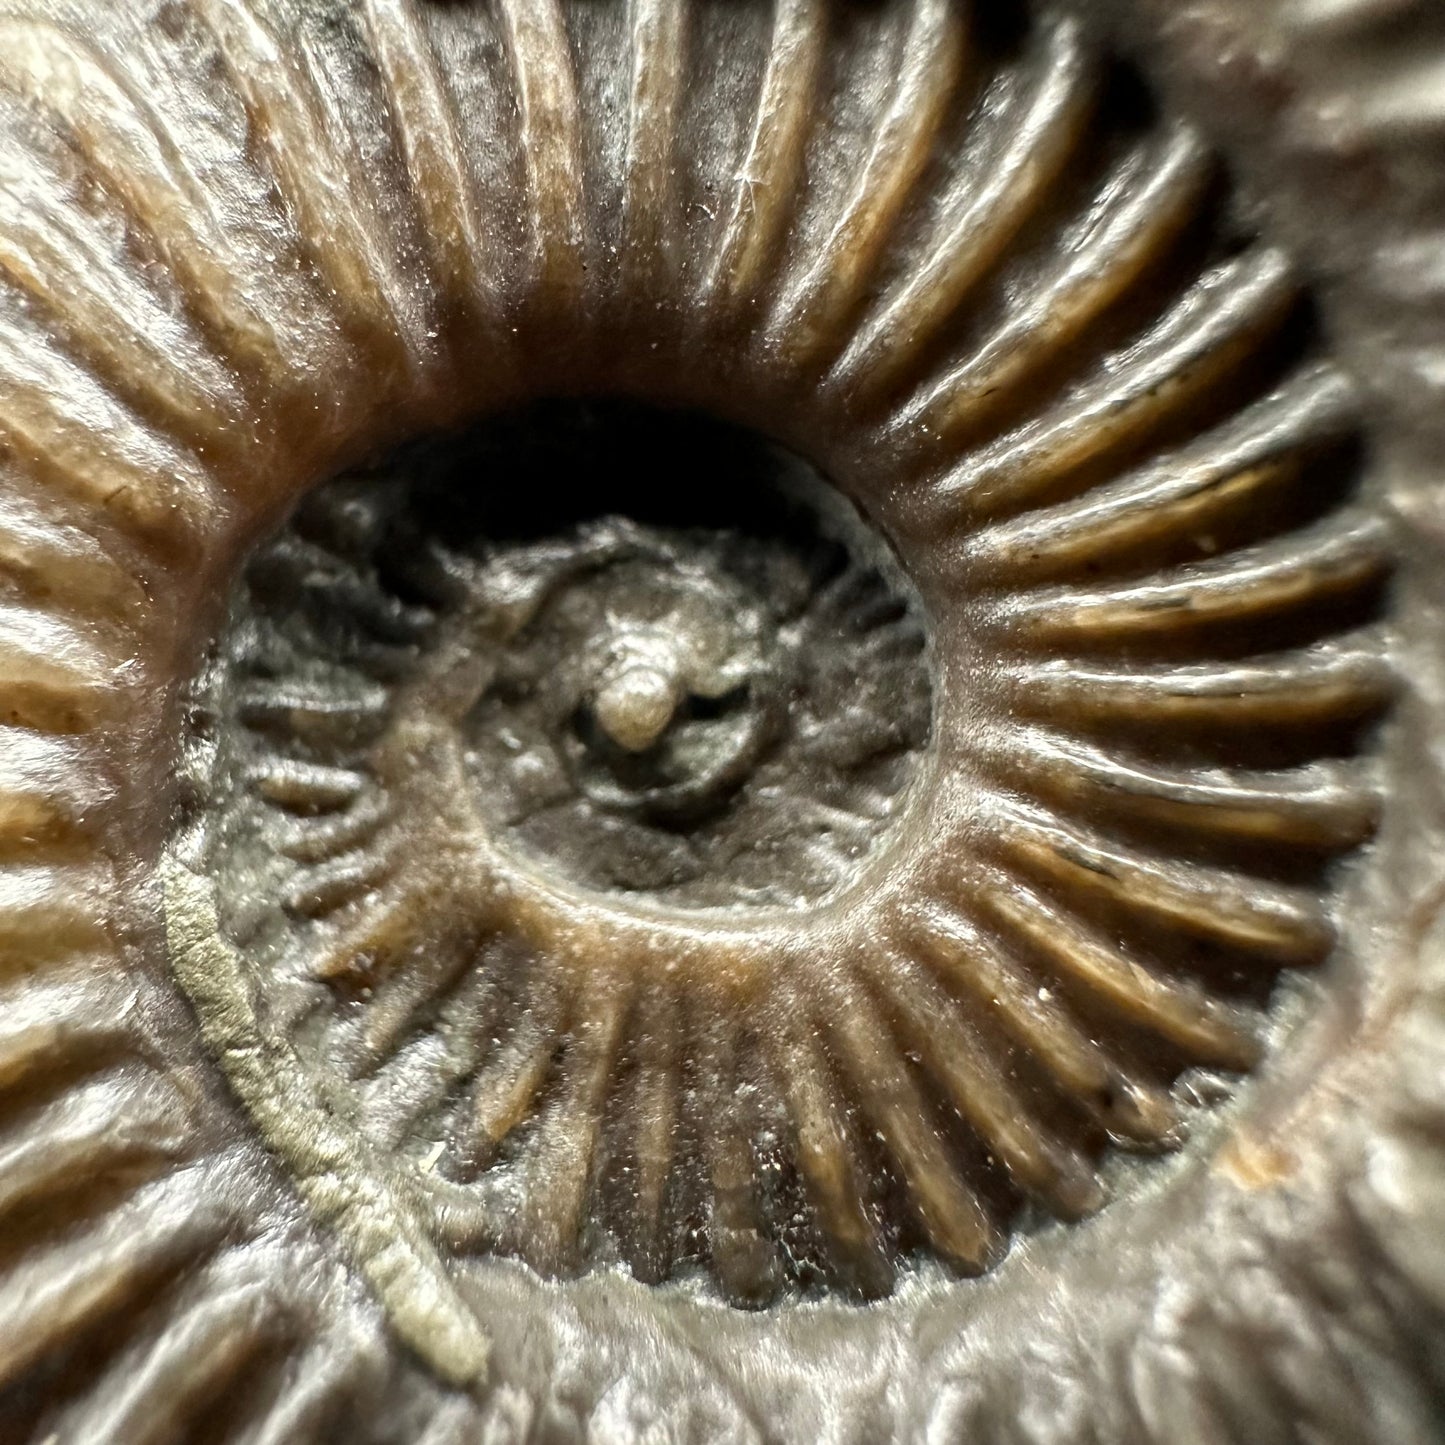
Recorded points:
(716,721)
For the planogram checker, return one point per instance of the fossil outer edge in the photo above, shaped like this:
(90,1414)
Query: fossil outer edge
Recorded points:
(1290,1272)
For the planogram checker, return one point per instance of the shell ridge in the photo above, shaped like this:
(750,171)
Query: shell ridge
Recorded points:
(651,220)
(985,218)
(331,199)
(929,66)
(144,165)
(1324,804)
(443,186)
(71,273)
(1340,677)
(752,231)
(1134,225)
(1227,315)
(1262,447)
(549,133)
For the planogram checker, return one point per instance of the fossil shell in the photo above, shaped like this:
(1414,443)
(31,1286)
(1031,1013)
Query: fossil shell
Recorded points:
(667,656)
